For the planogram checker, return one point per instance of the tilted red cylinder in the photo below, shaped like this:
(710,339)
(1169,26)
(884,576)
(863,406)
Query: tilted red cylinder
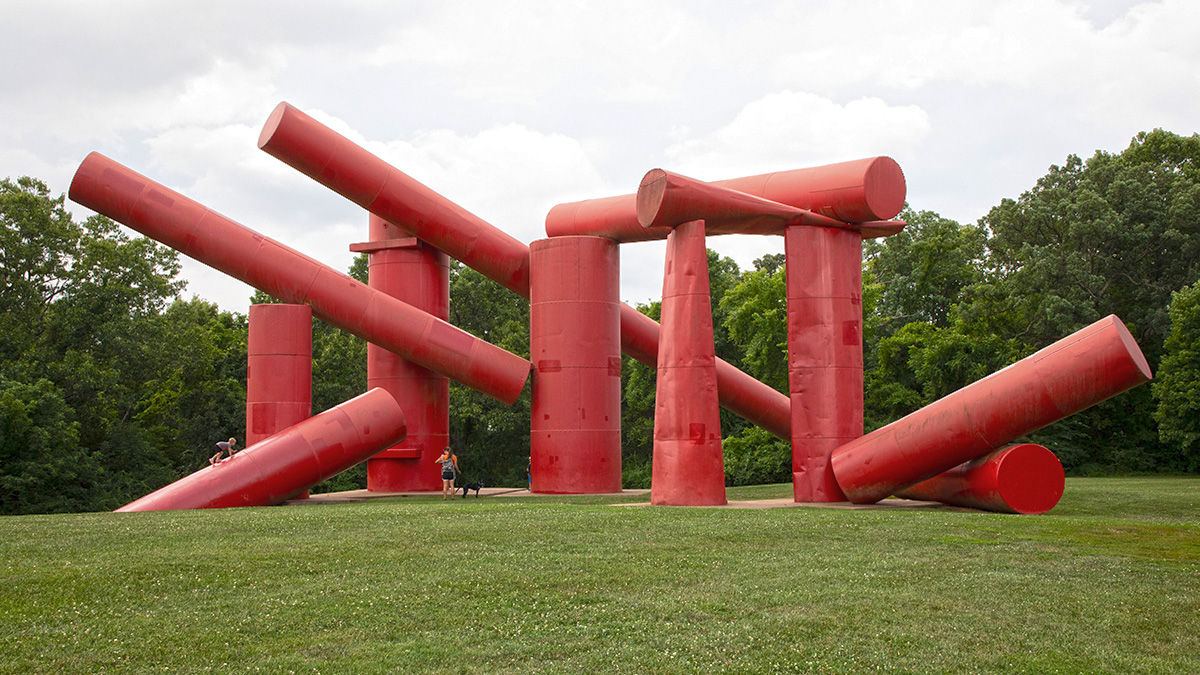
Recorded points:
(196,231)
(666,199)
(288,463)
(419,275)
(825,365)
(688,465)
(1022,478)
(859,191)
(1075,373)
(575,347)
(330,159)
(340,165)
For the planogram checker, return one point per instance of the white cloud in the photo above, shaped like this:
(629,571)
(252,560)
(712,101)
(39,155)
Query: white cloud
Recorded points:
(791,130)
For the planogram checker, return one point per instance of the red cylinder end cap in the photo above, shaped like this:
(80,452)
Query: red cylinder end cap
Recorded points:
(1030,479)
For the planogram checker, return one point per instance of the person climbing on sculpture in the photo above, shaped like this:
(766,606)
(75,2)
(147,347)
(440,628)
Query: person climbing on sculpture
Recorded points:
(449,462)
(222,448)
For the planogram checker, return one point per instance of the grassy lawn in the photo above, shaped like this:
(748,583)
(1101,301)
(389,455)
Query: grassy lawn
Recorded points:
(1108,582)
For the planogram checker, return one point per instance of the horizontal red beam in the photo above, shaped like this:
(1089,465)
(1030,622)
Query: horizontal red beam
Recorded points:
(863,191)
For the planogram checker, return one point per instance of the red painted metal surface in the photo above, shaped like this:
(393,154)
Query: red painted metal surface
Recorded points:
(293,460)
(1021,478)
(196,231)
(329,158)
(278,370)
(351,171)
(665,199)
(688,466)
(419,275)
(860,191)
(575,347)
(825,369)
(1075,373)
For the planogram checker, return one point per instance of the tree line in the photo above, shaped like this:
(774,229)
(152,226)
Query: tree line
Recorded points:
(112,385)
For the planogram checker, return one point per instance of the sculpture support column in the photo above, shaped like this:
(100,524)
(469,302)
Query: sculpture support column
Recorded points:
(418,274)
(575,348)
(825,372)
(688,469)
(278,369)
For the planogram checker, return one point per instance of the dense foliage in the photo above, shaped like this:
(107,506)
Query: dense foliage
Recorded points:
(111,385)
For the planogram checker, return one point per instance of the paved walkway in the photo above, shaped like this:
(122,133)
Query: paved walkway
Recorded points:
(352,496)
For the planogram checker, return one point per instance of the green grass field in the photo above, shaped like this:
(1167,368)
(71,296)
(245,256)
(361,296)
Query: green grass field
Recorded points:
(1108,582)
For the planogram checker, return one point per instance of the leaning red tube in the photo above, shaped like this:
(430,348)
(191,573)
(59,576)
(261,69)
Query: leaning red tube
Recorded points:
(859,191)
(1075,373)
(196,231)
(351,171)
(330,159)
(665,199)
(1022,478)
(288,463)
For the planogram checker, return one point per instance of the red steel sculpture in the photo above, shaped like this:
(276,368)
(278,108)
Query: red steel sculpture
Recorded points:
(198,232)
(293,460)
(332,160)
(418,274)
(1073,374)
(688,468)
(278,369)
(575,347)
(1019,478)
(953,450)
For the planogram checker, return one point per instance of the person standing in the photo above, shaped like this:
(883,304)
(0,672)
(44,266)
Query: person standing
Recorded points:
(449,462)
(222,448)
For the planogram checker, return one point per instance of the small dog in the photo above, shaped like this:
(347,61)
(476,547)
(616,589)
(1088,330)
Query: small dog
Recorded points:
(472,486)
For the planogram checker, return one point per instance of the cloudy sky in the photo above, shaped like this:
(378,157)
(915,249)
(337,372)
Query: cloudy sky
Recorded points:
(511,107)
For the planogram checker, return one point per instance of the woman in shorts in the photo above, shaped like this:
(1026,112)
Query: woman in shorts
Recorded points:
(449,462)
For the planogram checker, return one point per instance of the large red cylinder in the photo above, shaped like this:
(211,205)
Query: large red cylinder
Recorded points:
(575,347)
(688,468)
(825,371)
(351,171)
(1022,478)
(858,191)
(418,274)
(278,369)
(196,231)
(293,460)
(1073,374)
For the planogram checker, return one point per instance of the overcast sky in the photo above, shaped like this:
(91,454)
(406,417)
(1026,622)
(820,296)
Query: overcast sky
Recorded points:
(511,107)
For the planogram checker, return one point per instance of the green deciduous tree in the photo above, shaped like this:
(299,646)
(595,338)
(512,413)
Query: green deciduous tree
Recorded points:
(1177,387)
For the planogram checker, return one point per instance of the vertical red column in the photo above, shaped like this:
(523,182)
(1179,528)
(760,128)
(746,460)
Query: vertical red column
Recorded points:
(825,371)
(413,271)
(689,469)
(278,369)
(575,347)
